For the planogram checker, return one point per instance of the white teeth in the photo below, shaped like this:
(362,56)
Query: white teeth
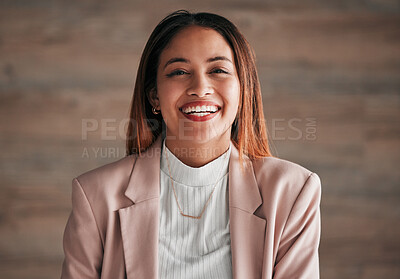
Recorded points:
(200,109)
(201,113)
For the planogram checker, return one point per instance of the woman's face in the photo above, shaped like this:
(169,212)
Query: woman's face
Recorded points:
(197,86)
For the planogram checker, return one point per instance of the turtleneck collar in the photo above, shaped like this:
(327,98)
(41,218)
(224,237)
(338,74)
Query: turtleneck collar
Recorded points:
(205,175)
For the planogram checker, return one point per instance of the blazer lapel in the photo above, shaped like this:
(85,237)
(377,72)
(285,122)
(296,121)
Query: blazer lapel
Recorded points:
(246,229)
(140,221)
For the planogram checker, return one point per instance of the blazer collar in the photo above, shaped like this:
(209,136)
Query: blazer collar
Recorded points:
(144,184)
(140,221)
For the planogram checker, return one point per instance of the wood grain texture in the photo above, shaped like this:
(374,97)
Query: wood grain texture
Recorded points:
(329,72)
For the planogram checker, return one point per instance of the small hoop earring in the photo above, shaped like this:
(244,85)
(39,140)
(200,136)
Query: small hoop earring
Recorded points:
(155,111)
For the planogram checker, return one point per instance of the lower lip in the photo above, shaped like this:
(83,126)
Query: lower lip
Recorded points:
(194,117)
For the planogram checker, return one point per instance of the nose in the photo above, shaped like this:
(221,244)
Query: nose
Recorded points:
(200,85)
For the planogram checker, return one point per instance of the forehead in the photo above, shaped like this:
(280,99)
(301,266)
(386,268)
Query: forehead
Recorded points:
(197,41)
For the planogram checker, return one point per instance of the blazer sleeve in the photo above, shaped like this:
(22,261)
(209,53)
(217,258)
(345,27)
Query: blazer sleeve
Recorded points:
(297,255)
(82,242)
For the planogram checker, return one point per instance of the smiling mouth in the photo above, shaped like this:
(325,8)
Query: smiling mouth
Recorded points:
(200,110)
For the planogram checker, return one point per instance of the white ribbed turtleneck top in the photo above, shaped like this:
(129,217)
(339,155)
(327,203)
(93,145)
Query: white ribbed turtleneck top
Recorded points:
(194,248)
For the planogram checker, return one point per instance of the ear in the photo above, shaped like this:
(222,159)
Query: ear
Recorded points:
(153,98)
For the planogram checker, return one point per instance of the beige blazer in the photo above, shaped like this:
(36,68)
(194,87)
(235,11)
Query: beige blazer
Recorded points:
(274,213)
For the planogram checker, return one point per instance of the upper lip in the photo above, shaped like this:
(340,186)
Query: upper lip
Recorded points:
(200,104)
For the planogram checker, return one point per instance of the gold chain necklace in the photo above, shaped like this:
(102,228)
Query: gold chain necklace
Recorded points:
(176,198)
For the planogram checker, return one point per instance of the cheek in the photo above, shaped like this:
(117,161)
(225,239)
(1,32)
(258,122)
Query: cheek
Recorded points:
(170,87)
(167,93)
(233,93)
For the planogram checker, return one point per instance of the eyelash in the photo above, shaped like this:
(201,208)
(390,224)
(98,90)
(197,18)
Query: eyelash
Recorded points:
(222,71)
(176,73)
(181,72)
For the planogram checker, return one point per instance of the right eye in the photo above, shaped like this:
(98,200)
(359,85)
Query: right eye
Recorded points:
(176,73)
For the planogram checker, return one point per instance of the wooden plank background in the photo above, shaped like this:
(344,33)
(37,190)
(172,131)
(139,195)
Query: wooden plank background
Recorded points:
(330,78)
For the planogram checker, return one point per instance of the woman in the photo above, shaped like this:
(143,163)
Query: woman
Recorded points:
(199,194)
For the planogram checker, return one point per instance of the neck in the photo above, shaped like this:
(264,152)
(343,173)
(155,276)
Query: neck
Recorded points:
(195,154)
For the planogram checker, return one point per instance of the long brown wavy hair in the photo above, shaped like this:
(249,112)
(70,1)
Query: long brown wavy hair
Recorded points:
(248,133)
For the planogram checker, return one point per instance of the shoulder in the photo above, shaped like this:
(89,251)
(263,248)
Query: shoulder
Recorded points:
(268,168)
(110,171)
(106,183)
(282,182)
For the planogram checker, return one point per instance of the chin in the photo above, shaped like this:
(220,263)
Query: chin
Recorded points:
(200,135)
(203,137)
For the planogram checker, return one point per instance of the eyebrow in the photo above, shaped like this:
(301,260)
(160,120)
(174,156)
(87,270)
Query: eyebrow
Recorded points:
(209,60)
(219,58)
(176,59)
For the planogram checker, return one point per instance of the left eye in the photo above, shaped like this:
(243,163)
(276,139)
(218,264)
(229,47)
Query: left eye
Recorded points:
(219,71)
